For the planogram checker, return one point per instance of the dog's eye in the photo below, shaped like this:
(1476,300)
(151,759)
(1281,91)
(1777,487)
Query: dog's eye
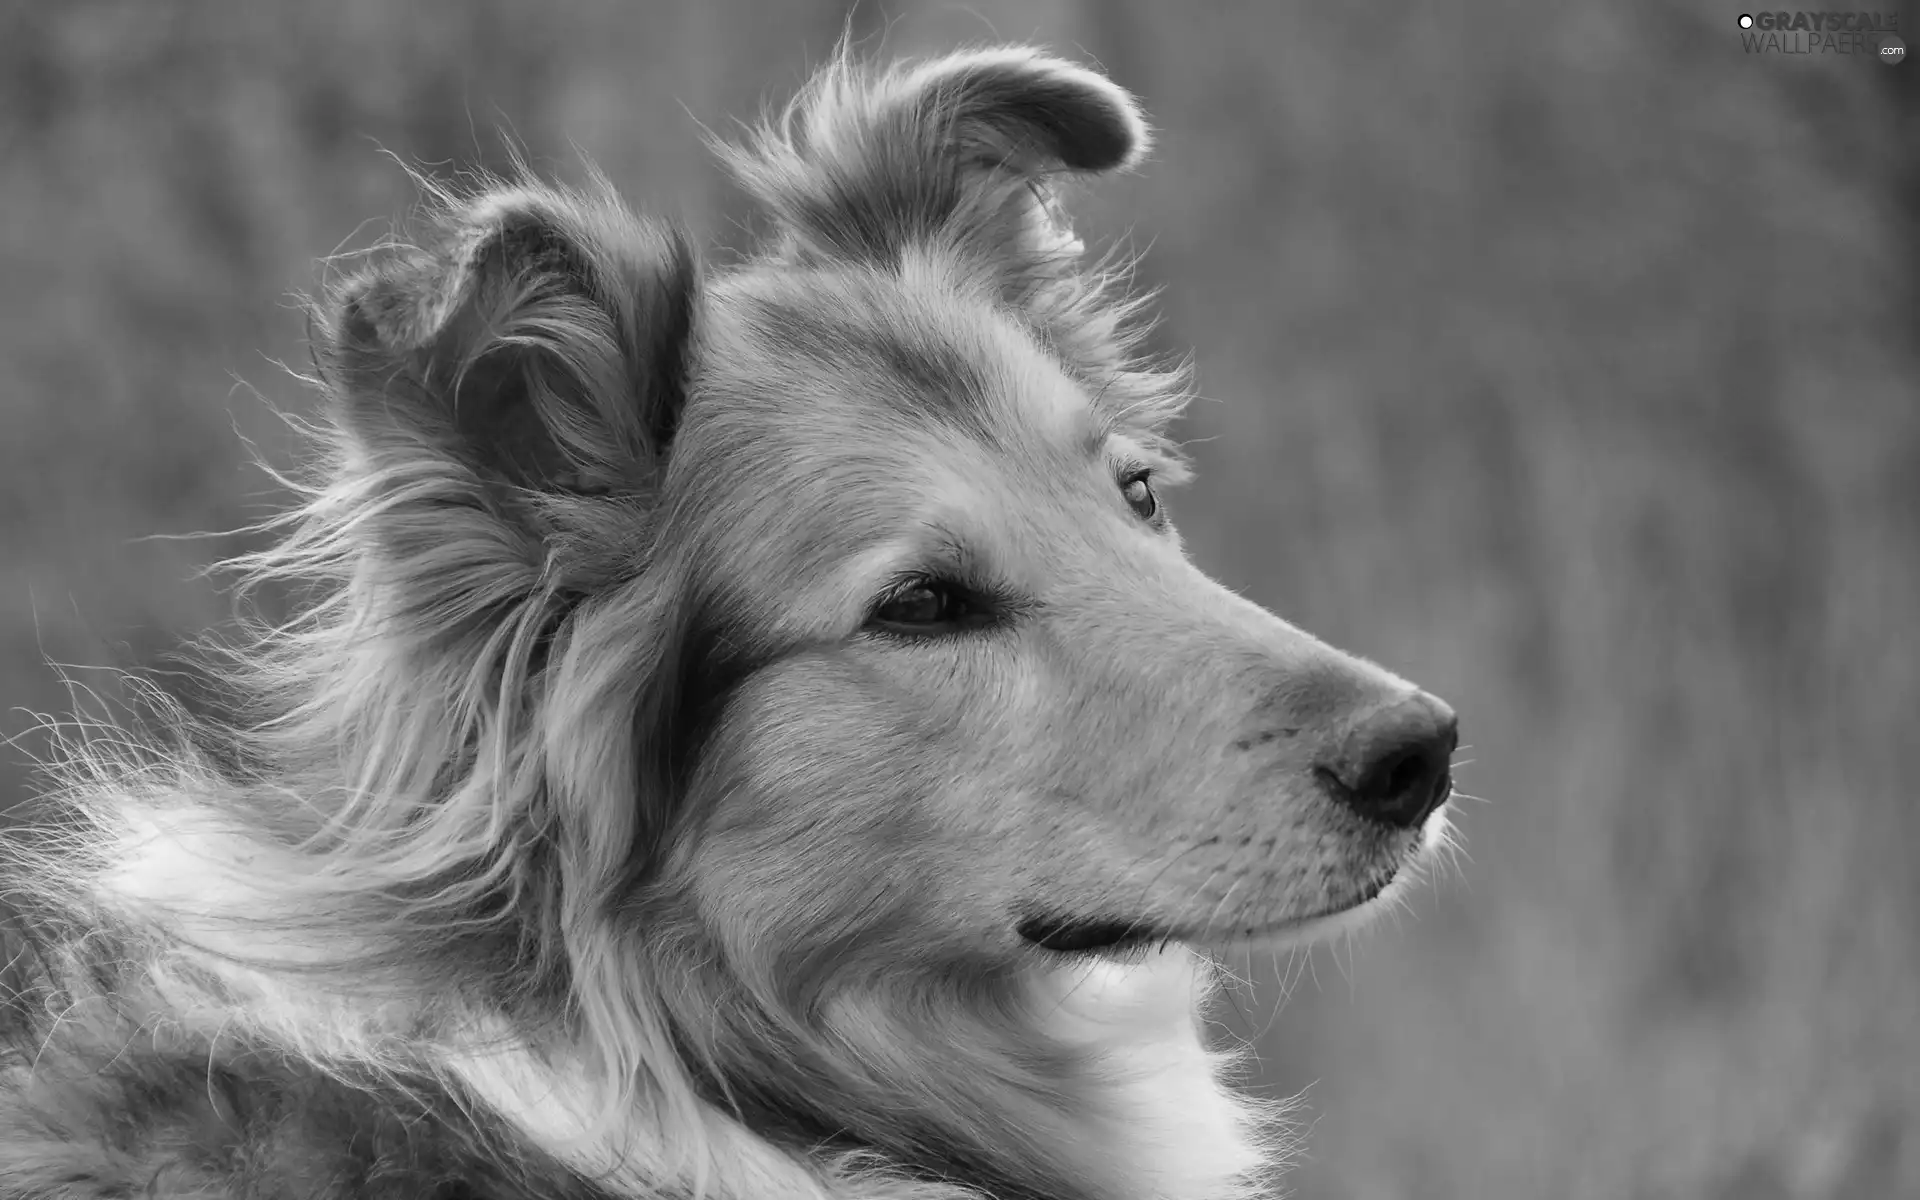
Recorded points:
(928,606)
(1140,497)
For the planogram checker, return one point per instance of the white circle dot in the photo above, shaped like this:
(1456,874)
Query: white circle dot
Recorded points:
(1746,22)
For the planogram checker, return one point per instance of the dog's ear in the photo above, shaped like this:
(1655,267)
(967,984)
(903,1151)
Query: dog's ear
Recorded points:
(963,153)
(537,340)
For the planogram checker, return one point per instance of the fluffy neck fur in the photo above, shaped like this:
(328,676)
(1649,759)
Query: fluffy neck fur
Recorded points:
(1162,1109)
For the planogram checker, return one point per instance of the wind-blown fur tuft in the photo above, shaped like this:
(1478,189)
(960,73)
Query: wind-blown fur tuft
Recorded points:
(699,687)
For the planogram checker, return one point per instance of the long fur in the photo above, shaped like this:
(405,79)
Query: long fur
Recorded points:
(589,830)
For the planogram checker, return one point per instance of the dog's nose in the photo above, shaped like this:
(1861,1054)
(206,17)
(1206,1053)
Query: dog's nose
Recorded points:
(1395,764)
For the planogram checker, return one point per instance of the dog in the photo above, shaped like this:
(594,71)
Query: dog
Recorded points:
(743,731)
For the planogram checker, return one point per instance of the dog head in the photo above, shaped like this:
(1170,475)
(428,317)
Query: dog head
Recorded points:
(840,642)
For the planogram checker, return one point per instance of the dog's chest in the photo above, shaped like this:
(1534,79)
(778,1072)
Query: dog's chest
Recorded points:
(89,1120)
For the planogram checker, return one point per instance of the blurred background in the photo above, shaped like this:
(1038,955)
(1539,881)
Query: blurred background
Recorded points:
(1562,358)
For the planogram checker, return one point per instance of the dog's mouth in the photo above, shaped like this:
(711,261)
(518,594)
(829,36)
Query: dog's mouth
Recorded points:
(1108,934)
(1114,935)
(1069,935)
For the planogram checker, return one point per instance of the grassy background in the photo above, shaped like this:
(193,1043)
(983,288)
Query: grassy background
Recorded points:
(1566,361)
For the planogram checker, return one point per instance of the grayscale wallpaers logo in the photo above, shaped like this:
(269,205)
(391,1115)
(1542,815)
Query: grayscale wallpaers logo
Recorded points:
(1852,33)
